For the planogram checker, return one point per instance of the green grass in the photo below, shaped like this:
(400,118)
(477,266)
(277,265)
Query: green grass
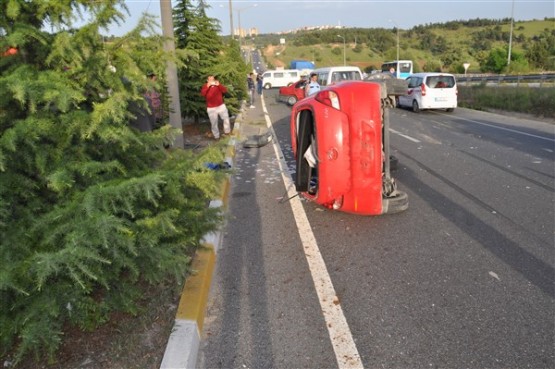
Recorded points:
(530,100)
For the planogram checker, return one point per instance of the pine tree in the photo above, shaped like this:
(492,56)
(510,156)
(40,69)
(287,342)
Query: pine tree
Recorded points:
(91,209)
(197,33)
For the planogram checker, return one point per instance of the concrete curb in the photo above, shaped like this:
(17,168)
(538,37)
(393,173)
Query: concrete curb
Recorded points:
(184,341)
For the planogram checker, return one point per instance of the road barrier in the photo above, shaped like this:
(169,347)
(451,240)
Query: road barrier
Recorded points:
(529,80)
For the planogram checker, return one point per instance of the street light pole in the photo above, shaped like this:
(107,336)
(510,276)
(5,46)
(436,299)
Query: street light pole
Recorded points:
(239,19)
(397,27)
(344,58)
(397,43)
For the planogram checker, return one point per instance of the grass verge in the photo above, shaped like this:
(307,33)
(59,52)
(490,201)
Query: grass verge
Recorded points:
(523,99)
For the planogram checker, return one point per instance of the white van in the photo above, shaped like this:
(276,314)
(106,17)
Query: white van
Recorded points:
(430,91)
(281,77)
(330,75)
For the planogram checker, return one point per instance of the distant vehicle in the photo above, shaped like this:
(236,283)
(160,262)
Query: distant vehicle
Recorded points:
(332,75)
(301,64)
(293,93)
(403,68)
(430,91)
(280,77)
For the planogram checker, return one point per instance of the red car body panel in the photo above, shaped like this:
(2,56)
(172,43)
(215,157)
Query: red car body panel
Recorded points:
(296,89)
(349,147)
(333,153)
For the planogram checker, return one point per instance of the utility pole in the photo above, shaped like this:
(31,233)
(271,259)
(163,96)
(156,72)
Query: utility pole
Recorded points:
(511,33)
(231,32)
(171,71)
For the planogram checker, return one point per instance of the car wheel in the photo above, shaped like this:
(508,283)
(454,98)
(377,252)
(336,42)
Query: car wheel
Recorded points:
(291,100)
(415,107)
(395,204)
(267,86)
(450,110)
(304,139)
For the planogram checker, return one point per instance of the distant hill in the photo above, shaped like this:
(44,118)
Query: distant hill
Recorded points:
(433,47)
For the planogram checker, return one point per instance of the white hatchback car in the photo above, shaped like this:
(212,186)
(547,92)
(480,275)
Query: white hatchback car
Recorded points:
(430,91)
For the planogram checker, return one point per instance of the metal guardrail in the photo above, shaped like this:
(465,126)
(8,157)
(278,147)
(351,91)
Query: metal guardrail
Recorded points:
(534,80)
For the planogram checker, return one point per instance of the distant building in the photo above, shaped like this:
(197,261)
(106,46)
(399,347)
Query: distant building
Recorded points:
(246,32)
(310,28)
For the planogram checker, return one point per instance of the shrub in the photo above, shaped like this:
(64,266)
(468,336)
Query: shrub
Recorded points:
(91,209)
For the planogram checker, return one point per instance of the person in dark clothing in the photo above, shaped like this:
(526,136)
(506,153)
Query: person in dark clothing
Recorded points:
(259,83)
(250,85)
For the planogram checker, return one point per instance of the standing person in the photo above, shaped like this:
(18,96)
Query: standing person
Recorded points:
(250,85)
(153,99)
(392,72)
(312,86)
(214,92)
(259,82)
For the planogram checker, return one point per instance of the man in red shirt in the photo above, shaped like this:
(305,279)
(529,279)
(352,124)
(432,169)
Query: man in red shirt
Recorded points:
(214,92)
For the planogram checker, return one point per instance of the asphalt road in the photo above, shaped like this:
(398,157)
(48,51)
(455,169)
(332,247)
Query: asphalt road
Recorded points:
(463,279)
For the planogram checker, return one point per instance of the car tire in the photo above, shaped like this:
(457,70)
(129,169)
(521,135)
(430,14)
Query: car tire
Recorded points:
(291,100)
(415,107)
(395,204)
(450,110)
(267,86)
(304,139)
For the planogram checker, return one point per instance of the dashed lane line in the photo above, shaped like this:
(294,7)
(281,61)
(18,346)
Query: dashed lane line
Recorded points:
(404,135)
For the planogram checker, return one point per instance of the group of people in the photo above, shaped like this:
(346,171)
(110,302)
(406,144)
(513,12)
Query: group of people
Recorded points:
(213,91)
(252,84)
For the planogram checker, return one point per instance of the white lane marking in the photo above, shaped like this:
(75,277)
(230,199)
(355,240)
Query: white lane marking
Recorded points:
(346,352)
(501,128)
(405,136)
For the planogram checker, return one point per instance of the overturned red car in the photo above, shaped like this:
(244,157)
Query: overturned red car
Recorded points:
(340,137)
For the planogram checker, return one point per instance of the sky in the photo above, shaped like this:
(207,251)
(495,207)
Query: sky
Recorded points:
(273,16)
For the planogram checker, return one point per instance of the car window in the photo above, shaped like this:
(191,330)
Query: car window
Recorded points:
(278,75)
(323,79)
(404,67)
(440,82)
(293,74)
(412,82)
(266,75)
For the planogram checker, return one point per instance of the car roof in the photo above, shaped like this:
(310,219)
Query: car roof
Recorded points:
(426,74)
(338,68)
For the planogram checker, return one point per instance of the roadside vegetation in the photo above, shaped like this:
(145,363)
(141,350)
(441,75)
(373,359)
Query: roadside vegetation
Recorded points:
(94,213)
(432,47)
(528,100)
